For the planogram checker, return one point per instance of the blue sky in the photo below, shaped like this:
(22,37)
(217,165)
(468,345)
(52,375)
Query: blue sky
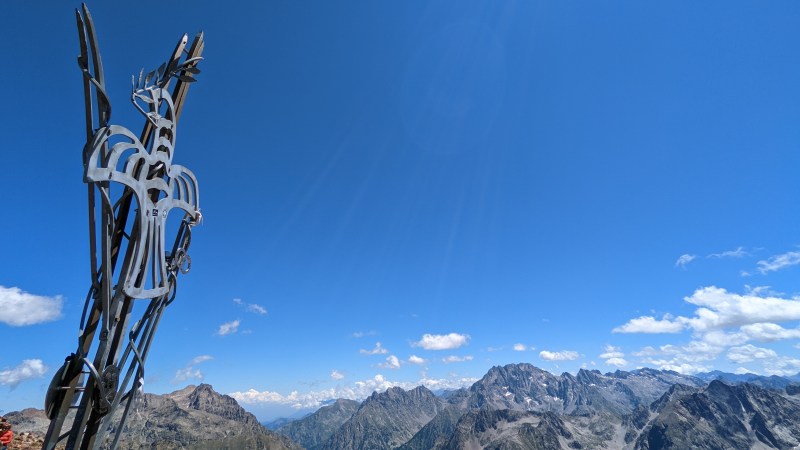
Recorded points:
(406,192)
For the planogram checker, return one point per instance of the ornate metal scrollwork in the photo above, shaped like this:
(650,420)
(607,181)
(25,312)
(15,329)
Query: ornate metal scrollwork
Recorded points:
(132,188)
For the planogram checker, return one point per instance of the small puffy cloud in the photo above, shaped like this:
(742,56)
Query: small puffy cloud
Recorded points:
(190,372)
(738,253)
(251,307)
(336,375)
(613,356)
(414,359)
(455,359)
(742,371)
(378,350)
(649,324)
(683,260)
(520,347)
(778,262)
(20,308)
(611,352)
(356,391)
(26,370)
(228,328)
(392,362)
(566,355)
(442,341)
(749,353)
(617,362)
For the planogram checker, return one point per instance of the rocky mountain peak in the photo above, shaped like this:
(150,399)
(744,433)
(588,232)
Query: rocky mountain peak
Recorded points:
(205,398)
(589,376)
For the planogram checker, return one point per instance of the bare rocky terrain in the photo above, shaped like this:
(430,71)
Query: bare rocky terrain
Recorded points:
(513,407)
(194,417)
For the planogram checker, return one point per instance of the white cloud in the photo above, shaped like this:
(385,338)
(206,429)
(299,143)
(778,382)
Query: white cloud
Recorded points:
(414,359)
(618,362)
(686,359)
(228,328)
(769,332)
(26,370)
(360,334)
(722,338)
(442,341)
(683,260)
(778,262)
(392,362)
(685,368)
(649,324)
(646,351)
(566,355)
(520,347)
(258,309)
(20,308)
(189,372)
(378,350)
(742,371)
(719,309)
(611,352)
(200,359)
(251,307)
(336,375)
(749,353)
(613,356)
(782,367)
(455,359)
(357,391)
(738,253)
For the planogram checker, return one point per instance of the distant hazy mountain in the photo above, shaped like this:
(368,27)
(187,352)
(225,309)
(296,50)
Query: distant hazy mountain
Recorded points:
(313,430)
(770,382)
(277,423)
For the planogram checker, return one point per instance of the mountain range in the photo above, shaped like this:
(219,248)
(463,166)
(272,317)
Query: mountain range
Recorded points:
(512,407)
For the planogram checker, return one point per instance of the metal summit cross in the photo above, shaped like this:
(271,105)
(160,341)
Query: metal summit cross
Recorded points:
(132,187)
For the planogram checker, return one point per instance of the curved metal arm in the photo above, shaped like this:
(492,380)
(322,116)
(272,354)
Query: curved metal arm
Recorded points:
(151,187)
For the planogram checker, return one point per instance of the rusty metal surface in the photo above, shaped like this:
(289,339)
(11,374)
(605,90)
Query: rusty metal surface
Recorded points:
(132,188)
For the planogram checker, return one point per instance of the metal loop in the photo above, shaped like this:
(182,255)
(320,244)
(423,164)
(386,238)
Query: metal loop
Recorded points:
(186,263)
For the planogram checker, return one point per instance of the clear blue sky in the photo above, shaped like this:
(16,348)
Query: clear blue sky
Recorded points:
(572,184)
